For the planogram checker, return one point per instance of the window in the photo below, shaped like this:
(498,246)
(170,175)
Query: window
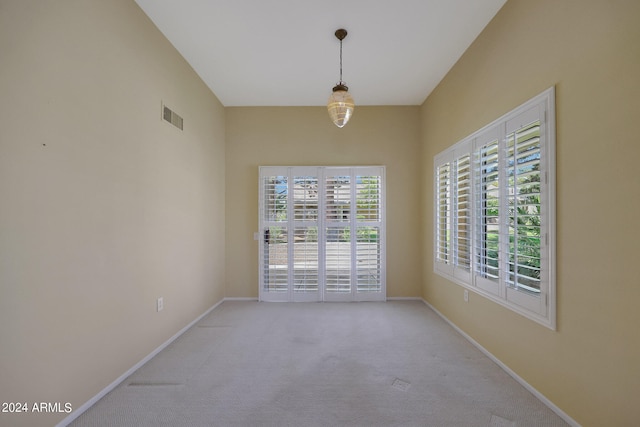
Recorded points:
(323,233)
(495,212)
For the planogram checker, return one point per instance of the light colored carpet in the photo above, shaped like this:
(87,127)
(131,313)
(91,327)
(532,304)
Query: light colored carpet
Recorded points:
(320,364)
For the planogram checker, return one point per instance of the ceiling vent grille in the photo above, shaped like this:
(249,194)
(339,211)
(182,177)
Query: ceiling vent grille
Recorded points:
(171,117)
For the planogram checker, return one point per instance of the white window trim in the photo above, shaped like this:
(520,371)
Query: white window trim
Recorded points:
(540,308)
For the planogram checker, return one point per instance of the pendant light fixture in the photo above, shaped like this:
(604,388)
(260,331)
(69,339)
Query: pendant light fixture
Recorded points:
(340,104)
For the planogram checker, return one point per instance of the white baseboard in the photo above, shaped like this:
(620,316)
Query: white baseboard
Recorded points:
(508,370)
(388,299)
(77,412)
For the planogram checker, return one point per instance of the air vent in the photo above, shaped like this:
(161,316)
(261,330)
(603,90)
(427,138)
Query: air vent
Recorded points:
(171,117)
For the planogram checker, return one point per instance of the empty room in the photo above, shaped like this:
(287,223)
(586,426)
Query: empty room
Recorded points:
(358,213)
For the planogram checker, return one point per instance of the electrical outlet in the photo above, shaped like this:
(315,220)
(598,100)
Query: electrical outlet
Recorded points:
(160,304)
(466,295)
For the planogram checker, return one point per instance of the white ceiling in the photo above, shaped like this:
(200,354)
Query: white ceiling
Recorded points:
(285,53)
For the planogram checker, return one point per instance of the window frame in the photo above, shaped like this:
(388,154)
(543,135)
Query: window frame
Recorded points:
(535,303)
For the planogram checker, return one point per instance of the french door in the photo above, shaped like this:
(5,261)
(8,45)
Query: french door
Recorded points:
(323,233)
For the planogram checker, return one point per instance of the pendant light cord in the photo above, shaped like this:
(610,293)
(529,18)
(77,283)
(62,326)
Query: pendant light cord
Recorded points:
(340,61)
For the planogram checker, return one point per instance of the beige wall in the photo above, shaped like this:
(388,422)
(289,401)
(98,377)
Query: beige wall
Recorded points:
(284,136)
(590,51)
(103,207)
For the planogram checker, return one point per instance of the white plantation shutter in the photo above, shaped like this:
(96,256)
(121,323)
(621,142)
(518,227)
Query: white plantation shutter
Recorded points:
(354,206)
(305,259)
(337,204)
(461,212)
(369,232)
(487,212)
(524,210)
(338,260)
(368,259)
(369,198)
(276,262)
(323,233)
(443,218)
(274,200)
(453,187)
(305,235)
(523,204)
(494,210)
(305,196)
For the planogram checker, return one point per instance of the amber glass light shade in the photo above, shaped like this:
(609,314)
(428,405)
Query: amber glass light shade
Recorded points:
(340,106)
